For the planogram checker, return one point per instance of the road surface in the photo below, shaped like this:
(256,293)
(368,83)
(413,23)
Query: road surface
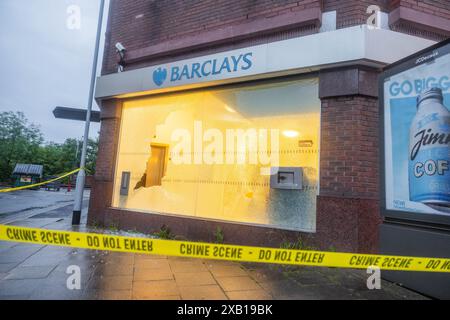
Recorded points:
(24,203)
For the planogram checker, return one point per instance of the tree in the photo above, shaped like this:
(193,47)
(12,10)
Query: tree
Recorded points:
(91,155)
(22,142)
(61,158)
(19,142)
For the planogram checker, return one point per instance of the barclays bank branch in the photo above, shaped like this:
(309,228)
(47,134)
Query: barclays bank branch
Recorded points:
(265,129)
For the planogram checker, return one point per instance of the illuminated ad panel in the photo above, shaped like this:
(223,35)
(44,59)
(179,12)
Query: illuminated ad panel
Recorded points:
(416,112)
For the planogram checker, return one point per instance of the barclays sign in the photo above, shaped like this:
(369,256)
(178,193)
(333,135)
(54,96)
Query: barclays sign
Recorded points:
(278,58)
(197,70)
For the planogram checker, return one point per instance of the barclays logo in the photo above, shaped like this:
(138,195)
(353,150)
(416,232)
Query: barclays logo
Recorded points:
(159,76)
(204,69)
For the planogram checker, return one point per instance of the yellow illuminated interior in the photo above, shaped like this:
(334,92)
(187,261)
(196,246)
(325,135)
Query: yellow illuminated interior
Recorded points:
(215,189)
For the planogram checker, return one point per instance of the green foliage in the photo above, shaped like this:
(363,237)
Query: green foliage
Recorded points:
(289,271)
(19,142)
(218,234)
(60,158)
(297,245)
(114,227)
(94,224)
(164,233)
(91,155)
(22,142)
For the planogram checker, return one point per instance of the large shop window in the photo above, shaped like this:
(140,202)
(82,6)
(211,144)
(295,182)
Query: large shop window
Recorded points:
(210,154)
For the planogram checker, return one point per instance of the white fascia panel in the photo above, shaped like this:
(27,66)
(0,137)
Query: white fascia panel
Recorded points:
(354,45)
(388,46)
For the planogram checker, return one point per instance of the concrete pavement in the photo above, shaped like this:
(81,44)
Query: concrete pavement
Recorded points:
(39,272)
(27,203)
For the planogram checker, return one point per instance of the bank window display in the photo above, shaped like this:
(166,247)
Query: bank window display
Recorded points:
(245,154)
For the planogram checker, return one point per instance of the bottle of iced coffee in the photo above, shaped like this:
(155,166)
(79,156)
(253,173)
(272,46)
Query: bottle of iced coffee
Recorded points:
(429,151)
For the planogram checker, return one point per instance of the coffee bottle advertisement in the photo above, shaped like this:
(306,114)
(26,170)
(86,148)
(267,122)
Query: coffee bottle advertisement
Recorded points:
(417,137)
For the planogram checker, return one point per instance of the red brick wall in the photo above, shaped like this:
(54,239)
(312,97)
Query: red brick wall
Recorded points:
(347,224)
(440,8)
(108,141)
(435,8)
(102,188)
(142,23)
(349,147)
(352,12)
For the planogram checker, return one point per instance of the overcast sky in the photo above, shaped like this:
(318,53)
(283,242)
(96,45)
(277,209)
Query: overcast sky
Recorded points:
(45,64)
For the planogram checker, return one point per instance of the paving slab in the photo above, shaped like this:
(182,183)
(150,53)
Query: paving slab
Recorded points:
(108,283)
(114,270)
(17,254)
(154,296)
(194,279)
(240,283)
(138,256)
(6,267)
(209,292)
(187,266)
(15,297)
(35,223)
(39,272)
(46,256)
(108,295)
(151,289)
(19,287)
(141,264)
(219,270)
(116,260)
(249,295)
(58,278)
(51,292)
(152,274)
(5,245)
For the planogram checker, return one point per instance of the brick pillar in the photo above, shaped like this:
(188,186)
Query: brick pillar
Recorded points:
(101,192)
(348,209)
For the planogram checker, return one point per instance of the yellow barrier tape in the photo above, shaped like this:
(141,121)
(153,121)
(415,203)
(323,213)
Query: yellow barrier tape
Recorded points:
(40,183)
(219,251)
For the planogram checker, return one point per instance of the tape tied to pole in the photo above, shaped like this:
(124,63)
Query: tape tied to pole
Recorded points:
(41,183)
(141,245)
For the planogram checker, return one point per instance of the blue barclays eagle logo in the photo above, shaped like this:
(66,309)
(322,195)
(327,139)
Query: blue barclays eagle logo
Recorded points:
(159,76)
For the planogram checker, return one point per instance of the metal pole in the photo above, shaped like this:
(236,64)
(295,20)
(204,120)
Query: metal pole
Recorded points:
(76,217)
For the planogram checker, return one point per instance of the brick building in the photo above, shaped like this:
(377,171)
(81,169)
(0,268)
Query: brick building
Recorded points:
(307,69)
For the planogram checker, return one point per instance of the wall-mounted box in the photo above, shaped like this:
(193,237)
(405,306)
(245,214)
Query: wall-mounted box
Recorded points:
(289,178)
(125,183)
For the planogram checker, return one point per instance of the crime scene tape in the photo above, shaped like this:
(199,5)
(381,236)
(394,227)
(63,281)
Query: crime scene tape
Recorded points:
(40,183)
(96,241)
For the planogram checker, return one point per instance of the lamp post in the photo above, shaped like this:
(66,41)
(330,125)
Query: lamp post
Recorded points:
(76,217)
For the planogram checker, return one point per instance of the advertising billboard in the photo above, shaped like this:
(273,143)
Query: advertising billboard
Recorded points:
(415,120)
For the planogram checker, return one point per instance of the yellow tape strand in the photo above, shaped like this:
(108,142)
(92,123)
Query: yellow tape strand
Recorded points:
(96,241)
(40,183)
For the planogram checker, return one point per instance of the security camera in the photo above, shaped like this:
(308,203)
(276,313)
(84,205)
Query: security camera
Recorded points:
(121,51)
(120,48)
